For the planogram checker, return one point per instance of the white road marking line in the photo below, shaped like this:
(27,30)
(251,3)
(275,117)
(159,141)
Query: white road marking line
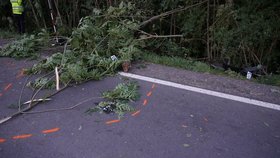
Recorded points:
(204,91)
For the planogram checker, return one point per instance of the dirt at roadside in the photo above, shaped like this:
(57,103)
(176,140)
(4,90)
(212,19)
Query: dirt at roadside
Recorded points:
(244,88)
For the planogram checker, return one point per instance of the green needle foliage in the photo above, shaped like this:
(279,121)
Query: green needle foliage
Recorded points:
(97,38)
(41,82)
(123,91)
(25,47)
(118,99)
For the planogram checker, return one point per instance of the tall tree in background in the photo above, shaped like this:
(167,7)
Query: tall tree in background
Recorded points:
(245,32)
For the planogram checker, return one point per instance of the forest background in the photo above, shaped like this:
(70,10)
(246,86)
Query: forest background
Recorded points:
(240,33)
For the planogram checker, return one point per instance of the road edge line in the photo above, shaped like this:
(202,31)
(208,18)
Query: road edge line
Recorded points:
(204,91)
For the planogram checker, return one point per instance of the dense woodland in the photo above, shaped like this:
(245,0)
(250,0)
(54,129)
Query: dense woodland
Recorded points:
(242,33)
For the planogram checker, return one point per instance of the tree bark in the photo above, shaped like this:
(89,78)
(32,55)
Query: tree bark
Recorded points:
(208,41)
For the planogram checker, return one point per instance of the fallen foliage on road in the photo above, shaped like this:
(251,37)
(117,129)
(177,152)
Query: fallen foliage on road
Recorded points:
(118,99)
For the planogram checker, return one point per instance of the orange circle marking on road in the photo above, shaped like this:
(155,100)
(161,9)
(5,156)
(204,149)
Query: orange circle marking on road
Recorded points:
(2,140)
(145,102)
(8,86)
(149,94)
(136,113)
(20,74)
(50,130)
(112,121)
(22,136)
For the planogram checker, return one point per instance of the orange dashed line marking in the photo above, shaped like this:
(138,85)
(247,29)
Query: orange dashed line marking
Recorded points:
(8,86)
(149,94)
(21,74)
(2,140)
(22,136)
(112,121)
(136,113)
(145,102)
(50,130)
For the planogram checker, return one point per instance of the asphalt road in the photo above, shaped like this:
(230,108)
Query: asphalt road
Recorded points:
(169,122)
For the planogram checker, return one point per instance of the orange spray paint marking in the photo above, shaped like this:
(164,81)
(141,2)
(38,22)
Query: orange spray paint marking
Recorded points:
(112,121)
(2,140)
(22,136)
(51,130)
(149,94)
(1,94)
(205,119)
(153,86)
(8,87)
(10,64)
(21,74)
(136,113)
(145,102)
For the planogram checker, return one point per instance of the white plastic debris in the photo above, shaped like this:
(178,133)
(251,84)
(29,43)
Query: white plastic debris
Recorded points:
(249,75)
(114,58)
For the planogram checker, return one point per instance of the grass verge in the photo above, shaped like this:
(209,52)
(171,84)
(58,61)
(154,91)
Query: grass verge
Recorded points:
(269,80)
(176,62)
(197,66)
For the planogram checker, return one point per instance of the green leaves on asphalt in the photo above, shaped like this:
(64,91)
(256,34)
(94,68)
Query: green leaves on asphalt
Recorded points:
(26,47)
(118,99)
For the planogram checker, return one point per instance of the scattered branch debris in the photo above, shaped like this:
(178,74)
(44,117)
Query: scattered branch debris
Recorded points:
(123,91)
(118,100)
(37,100)
(26,47)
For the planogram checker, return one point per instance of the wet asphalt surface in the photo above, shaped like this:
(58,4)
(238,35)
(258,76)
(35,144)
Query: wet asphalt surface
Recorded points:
(173,123)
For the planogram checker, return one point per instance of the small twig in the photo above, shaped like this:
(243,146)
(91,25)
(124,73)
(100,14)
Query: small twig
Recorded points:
(160,36)
(37,100)
(150,35)
(34,95)
(21,92)
(99,43)
(57,78)
(23,87)
(29,107)
(65,108)
(169,13)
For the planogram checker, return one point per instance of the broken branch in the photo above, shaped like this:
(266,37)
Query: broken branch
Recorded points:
(169,13)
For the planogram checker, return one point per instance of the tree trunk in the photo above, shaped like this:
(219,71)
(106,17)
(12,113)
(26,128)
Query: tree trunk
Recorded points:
(34,13)
(207,32)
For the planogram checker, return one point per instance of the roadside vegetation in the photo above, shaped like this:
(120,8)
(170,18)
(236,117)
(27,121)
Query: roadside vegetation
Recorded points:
(232,36)
(198,66)
(6,34)
(100,38)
